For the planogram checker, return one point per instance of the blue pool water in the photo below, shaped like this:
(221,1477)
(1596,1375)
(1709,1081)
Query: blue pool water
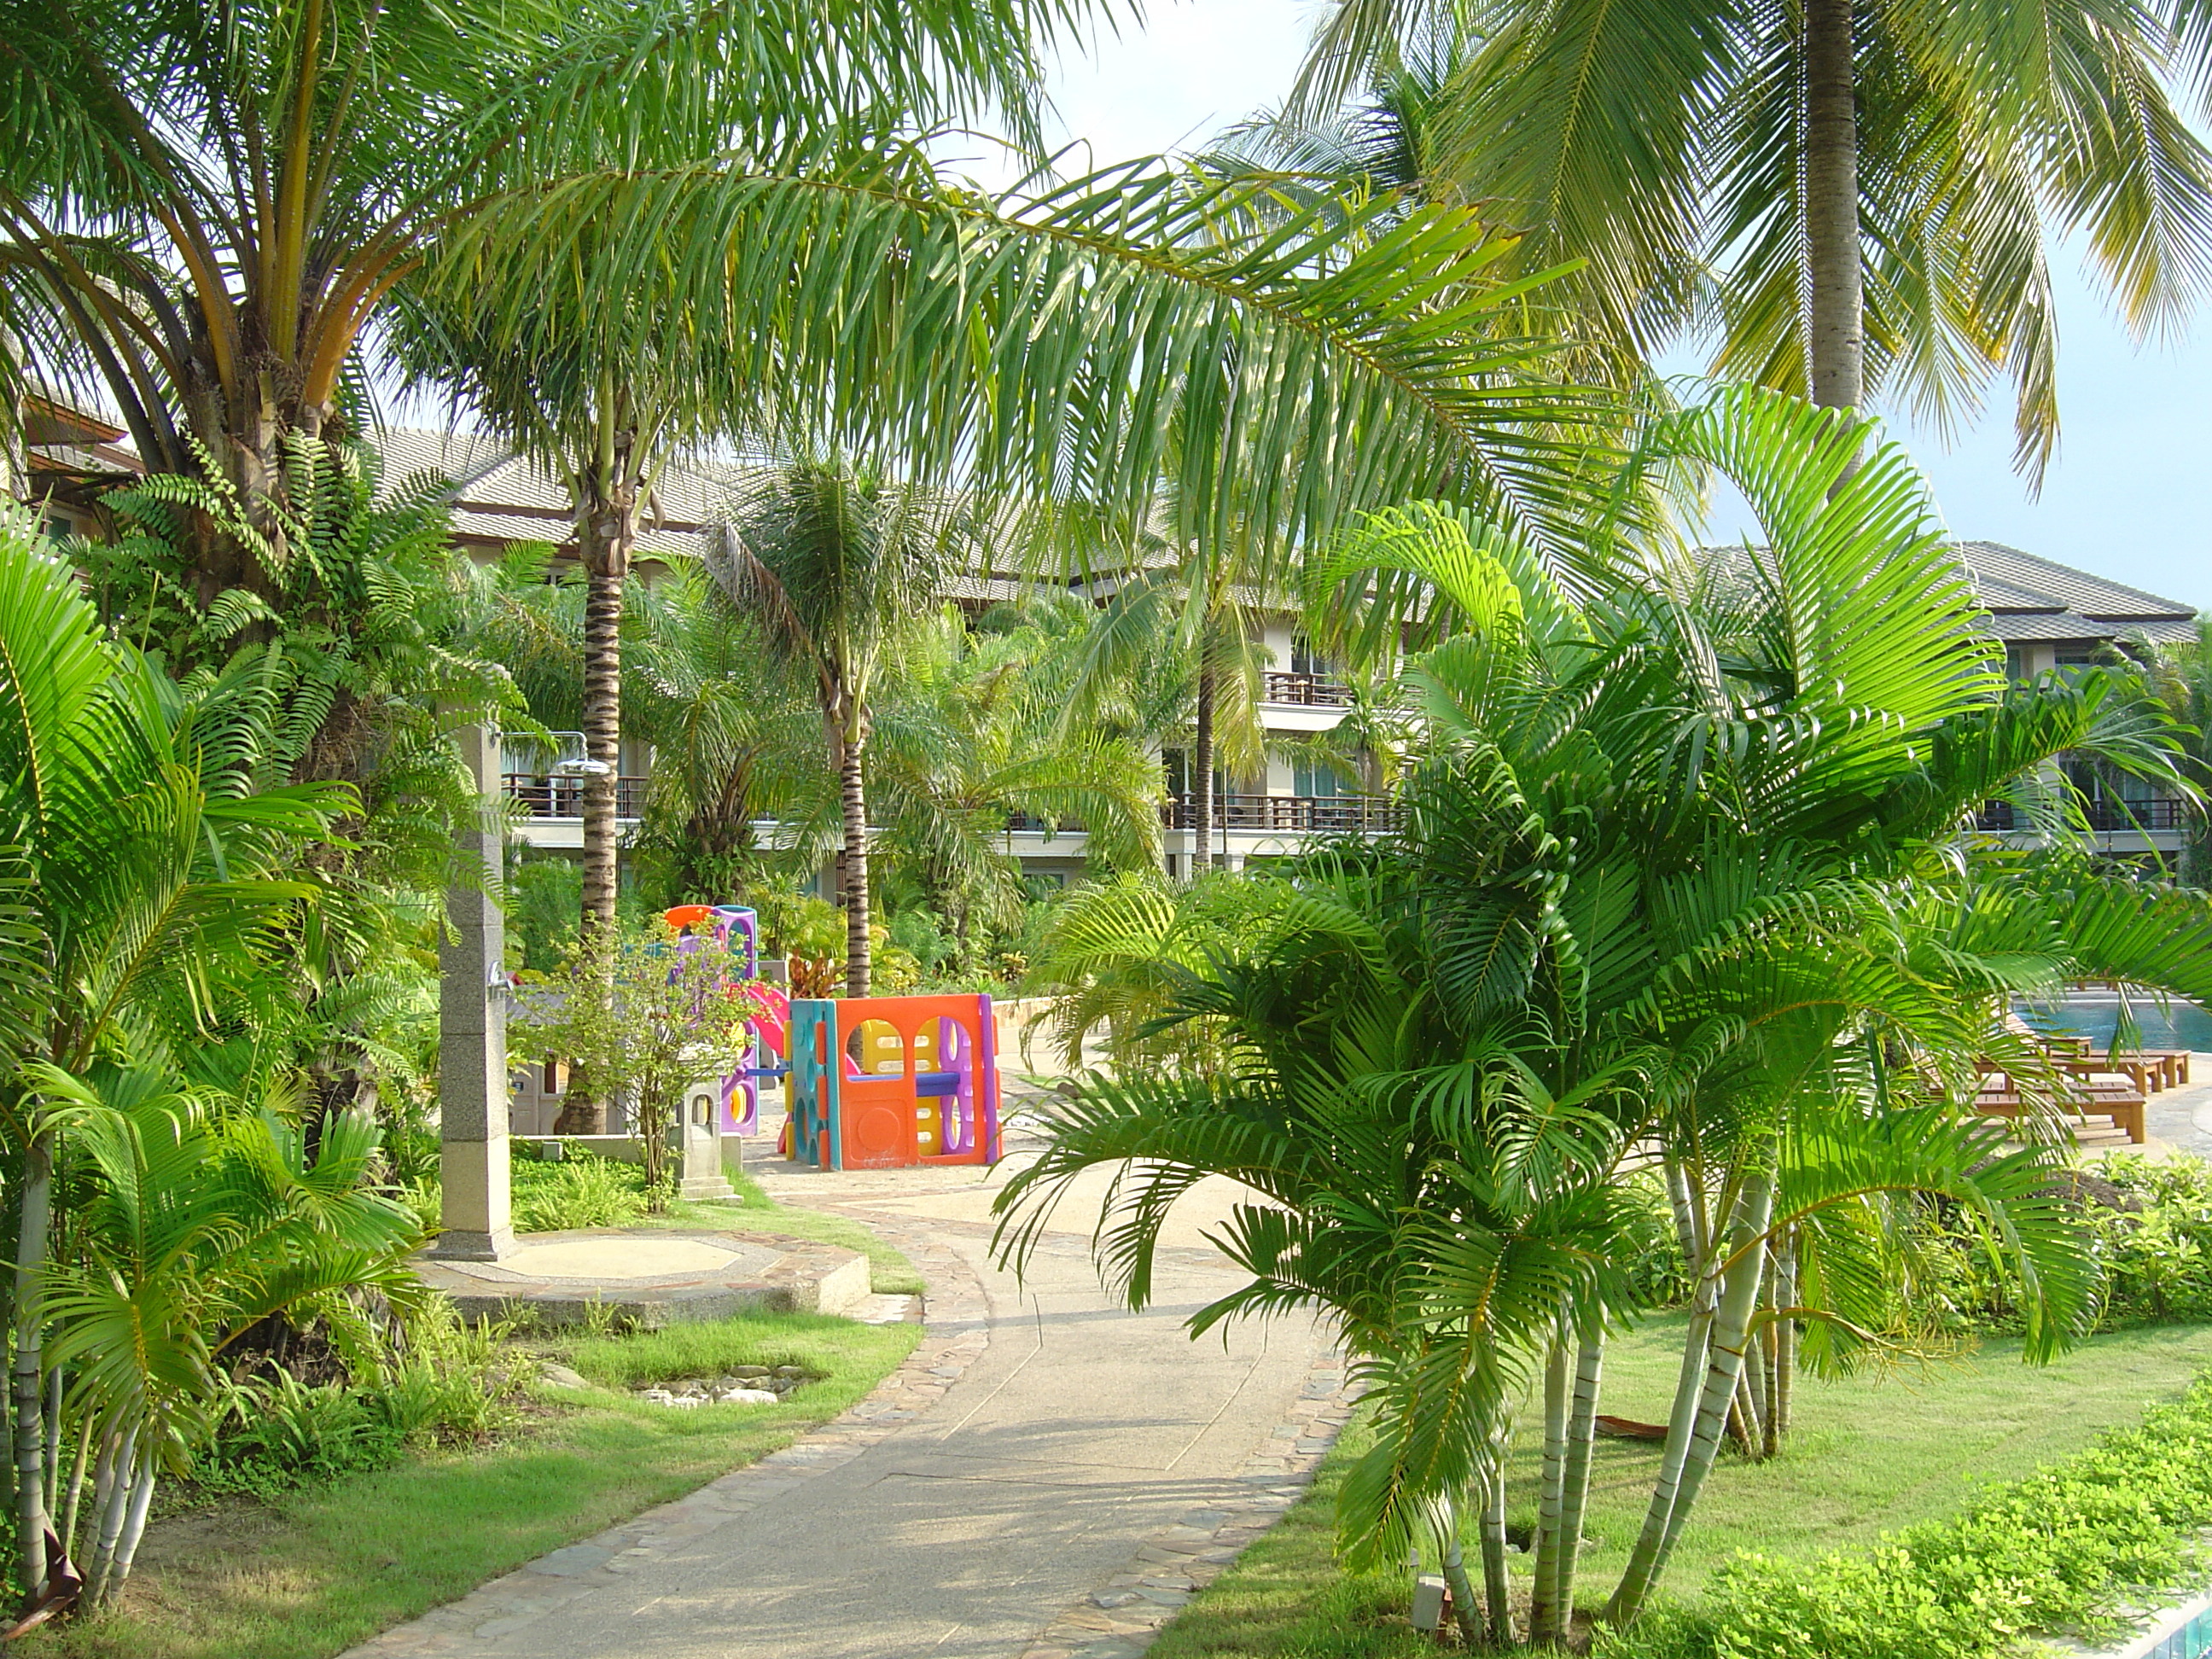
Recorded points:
(2092,1013)
(2189,1642)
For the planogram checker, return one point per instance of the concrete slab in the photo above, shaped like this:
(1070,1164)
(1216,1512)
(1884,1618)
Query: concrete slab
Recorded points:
(648,1278)
(637,1256)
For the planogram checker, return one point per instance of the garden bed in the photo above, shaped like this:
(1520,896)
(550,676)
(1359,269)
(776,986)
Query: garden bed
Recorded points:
(1870,1455)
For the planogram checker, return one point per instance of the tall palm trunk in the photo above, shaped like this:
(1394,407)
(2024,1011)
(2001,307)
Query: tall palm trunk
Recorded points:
(1835,324)
(1455,1578)
(26,1378)
(1703,1395)
(610,538)
(1201,782)
(852,740)
(607,532)
(1574,1496)
(1496,1587)
(1544,1623)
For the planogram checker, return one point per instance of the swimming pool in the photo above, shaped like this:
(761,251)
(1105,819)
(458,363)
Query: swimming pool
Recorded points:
(2092,1014)
(2188,1641)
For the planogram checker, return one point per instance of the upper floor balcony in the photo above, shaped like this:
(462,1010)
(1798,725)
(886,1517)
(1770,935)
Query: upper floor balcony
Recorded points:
(1301,690)
(1310,814)
(561,794)
(2105,816)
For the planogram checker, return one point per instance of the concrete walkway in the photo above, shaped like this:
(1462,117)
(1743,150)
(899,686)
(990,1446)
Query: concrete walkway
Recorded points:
(1048,1476)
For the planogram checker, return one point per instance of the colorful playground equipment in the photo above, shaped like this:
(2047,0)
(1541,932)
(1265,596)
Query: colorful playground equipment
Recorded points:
(881,1082)
(735,929)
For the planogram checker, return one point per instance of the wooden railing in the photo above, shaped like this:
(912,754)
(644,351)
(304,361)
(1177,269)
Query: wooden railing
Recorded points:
(561,794)
(2000,817)
(1308,690)
(1294,814)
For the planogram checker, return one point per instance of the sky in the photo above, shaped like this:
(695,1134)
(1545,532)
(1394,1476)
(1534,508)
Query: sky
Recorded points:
(2126,498)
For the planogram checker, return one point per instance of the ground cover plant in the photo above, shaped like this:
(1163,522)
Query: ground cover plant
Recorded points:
(1871,1457)
(304,1571)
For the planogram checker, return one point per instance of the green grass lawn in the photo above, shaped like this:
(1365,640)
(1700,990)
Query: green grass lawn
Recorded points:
(1870,1455)
(314,1572)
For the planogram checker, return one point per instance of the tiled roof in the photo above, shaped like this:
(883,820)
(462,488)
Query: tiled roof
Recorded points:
(2031,600)
(2009,570)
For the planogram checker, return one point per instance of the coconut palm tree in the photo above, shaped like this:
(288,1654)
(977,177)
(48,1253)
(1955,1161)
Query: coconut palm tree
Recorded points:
(1853,194)
(834,560)
(204,207)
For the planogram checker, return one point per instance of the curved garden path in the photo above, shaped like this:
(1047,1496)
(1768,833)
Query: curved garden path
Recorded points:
(1047,1475)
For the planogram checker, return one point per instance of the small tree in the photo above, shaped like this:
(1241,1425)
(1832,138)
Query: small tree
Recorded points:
(676,1013)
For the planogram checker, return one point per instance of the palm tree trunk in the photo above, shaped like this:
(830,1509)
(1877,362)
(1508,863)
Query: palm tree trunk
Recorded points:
(1731,1332)
(1834,329)
(1731,1320)
(857,952)
(1497,1588)
(30,1422)
(1551,1503)
(1574,1497)
(1785,1340)
(1201,782)
(608,542)
(1455,1579)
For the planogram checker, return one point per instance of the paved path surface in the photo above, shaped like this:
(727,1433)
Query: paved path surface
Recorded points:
(1048,1476)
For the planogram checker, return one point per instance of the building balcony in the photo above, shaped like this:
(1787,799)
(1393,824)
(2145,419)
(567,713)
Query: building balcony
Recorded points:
(1324,815)
(1304,691)
(561,794)
(2104,817)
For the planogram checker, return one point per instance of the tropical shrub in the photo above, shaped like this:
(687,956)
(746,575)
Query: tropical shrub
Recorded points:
(451,1383)
(2059,1553)
(577,1191)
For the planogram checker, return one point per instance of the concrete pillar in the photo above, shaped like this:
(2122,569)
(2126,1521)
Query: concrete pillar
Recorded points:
(475,1216)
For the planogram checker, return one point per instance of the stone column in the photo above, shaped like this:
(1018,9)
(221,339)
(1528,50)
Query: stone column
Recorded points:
(475,1218)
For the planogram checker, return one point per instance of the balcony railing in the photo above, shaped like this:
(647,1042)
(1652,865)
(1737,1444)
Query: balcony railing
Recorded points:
(561,795)
(1294,814)
(1309,690)
(2001,817)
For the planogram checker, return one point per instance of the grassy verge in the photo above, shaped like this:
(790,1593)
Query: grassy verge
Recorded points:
(1871,1456)
(311,1573)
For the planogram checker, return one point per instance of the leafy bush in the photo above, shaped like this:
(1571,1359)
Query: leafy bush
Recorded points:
(2150,1230)
(450,1382)
(2054,1554)
(579,1191)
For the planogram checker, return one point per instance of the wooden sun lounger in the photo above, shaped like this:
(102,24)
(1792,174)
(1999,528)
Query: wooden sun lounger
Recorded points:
(2124,1106)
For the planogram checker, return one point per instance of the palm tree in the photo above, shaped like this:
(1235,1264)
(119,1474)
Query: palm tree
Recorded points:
(972,732)
(152,888)
(194,1230)
(608,423)
(1853,196)
(1675,864)
(834,560)
(736,737)
(205,207)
